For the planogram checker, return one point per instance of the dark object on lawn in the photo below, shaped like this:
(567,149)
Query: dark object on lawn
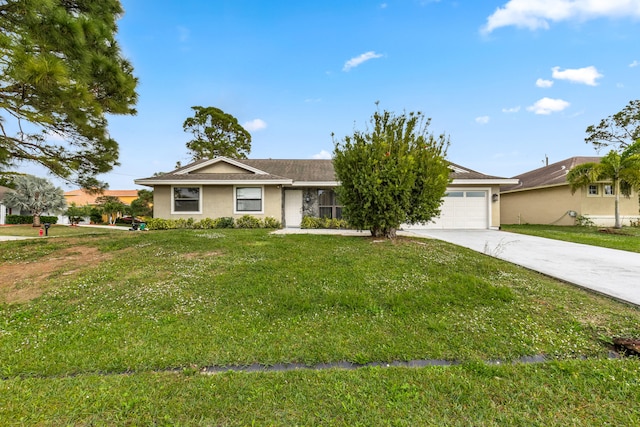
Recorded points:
(628,346)
(46,228)
(142,226)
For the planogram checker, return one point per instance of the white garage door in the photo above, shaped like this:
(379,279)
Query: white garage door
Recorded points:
(466,209)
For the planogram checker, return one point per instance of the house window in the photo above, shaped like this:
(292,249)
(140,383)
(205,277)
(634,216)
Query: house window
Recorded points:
(454,194)
(186,199)
(329,206)
(609,190)
(248,199)
(476,194)
(593,190)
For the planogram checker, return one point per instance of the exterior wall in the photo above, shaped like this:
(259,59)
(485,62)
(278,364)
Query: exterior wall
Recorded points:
(540,206)
(162,201)
(3,214)
(552,205)
(600,208)
(495,207)
(217,201)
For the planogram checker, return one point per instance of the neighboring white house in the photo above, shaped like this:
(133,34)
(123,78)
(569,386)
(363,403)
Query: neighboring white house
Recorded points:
(3,208)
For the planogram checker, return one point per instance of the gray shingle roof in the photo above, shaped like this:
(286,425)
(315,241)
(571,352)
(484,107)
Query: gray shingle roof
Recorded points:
(554,174)
(297,170)
(309,170)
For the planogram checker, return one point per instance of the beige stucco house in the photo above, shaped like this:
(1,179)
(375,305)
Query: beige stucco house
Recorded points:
(290,189)
(543,196)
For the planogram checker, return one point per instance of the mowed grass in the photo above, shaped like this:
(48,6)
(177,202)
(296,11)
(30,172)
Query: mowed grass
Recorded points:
(103,344)
(626,239)
(56,230)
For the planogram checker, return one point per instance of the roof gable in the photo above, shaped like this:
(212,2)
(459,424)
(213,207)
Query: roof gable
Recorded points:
(218,165)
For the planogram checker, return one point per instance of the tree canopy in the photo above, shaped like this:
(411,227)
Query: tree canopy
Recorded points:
(61,73)
(393,173)
(621,169)
(216,133)
(618,130)
(110,206)
(143,205)
(36,195)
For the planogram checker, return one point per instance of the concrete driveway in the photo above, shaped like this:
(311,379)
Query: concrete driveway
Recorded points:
(607,271)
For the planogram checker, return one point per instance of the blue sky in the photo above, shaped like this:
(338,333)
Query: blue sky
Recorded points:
(509,81)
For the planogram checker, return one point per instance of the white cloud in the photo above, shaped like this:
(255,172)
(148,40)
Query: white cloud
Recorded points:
(548,105)
(511,110)
(383,6)
(536,14)
(544,83)
(183,34)
(323,154)
(354,62)
(482,120)
(255,124)
(586,75)
(634,64)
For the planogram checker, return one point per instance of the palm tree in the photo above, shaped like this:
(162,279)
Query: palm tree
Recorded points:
(622,169)
(36,195)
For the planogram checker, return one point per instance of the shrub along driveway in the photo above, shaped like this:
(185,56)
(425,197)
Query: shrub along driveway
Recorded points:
(607,271)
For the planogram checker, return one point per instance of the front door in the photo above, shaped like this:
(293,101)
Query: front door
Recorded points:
(292,208)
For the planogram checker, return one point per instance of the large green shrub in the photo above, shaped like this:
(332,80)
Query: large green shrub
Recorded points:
(395,172)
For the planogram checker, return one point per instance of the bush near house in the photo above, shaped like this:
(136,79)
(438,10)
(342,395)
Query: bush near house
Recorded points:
(28,219)
(246,221)
(315,222)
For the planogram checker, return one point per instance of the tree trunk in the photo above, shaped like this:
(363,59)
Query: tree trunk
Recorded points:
(391,233)
(617,205)
(36,220)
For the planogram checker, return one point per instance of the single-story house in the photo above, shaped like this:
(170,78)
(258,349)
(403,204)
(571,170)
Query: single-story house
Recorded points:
(290,189)
(543,196)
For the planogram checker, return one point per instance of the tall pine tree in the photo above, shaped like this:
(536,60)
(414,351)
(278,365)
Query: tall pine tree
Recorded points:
(61,73)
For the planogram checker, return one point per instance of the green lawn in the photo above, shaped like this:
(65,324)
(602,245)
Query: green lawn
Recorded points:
(626,239)
(55,230)
(114,328)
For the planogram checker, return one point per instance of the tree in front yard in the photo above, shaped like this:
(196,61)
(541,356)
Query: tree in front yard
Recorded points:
(621,169)
(216,133)
(62,74)
(36,195)
(393,173)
